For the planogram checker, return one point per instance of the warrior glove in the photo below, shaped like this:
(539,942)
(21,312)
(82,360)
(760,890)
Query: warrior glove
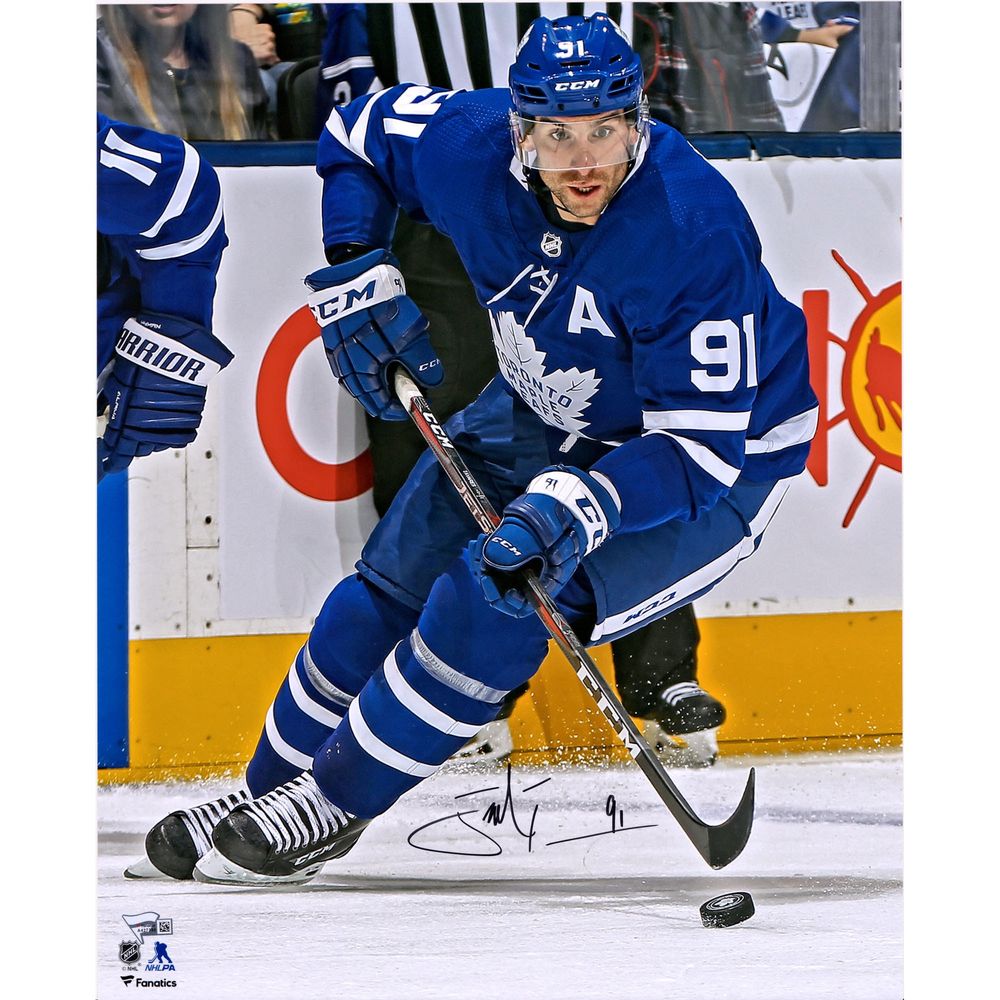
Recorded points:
(563,515)
(154,392)
(369,323)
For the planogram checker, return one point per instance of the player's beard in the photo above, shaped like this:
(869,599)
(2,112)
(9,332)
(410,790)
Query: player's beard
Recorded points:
(569,190)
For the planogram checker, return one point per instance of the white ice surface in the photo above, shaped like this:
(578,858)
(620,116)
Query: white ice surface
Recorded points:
(607,916)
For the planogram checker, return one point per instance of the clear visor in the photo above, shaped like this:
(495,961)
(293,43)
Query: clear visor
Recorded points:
(564,143)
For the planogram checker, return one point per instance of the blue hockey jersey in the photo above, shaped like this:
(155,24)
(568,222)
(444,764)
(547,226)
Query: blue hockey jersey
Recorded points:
(657,331)
(160,228)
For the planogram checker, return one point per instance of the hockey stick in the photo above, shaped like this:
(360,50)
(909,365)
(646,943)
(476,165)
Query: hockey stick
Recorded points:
(718,845)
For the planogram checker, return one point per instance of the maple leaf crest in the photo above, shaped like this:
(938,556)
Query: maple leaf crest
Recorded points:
(559,396)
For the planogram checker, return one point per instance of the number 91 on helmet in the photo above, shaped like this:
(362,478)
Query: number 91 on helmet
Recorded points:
(576,68)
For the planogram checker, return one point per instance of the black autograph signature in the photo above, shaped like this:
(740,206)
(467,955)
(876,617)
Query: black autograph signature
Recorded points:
(499,811)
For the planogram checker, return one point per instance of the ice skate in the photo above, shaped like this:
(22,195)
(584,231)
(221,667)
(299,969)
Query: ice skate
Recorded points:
(683,731)
(493,744)
(175,844)
(282,838)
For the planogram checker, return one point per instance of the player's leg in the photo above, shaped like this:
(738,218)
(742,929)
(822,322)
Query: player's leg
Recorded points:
(365,616)
(656,675)
(353,633)
(434,690)
(641,579)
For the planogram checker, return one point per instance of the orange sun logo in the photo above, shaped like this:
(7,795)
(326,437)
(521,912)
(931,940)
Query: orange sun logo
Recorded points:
(871,381)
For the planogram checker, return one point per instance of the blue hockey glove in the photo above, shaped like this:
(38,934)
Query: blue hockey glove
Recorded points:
(369,323)
(563,515)
(155,389)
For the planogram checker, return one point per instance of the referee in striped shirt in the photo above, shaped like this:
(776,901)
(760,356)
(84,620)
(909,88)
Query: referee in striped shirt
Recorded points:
(467,46)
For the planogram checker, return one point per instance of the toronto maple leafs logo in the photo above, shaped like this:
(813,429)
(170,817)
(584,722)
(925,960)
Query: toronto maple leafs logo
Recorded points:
(559,397)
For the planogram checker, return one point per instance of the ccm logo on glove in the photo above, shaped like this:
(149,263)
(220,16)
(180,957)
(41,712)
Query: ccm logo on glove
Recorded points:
(377,285)
(141,342)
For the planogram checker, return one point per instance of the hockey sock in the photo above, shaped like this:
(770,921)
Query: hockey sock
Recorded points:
(434,691)
(354,631)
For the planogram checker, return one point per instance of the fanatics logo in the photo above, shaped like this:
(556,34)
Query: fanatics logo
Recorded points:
(551,245)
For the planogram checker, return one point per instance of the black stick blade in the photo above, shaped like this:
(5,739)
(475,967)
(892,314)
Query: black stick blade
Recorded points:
(725,842)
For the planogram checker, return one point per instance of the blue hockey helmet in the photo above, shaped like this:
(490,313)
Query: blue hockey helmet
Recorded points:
(575,66)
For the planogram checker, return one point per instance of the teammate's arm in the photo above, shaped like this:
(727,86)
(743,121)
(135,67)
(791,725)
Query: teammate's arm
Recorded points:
(164,204)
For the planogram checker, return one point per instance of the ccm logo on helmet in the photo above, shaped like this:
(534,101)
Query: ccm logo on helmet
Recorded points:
(578,85)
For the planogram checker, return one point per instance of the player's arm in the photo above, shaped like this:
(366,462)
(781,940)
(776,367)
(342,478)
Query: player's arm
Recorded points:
(697,371)
(156,192)
(164,203)
(365,157)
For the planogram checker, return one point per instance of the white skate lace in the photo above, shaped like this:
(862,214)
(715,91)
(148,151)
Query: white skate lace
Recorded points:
(201,820)
(297,814)
(678,692)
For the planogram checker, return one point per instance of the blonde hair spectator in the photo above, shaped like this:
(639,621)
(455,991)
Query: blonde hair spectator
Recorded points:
(175,68)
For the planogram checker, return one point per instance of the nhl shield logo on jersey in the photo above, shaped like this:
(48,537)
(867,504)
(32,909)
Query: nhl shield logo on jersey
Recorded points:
(552,245)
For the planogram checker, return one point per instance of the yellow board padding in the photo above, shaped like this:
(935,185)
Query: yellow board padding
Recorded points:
(789,683)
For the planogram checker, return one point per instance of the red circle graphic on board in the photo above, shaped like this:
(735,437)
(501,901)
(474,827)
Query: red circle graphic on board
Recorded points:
(308,475)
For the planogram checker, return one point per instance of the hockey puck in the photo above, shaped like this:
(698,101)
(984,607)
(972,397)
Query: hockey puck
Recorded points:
(727,910)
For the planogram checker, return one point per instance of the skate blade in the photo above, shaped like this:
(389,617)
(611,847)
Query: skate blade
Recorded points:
(215,869)
(145,869)
(690,750)
(493,744)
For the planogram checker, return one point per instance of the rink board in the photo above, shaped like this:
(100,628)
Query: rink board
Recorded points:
(790,683)
(235,541)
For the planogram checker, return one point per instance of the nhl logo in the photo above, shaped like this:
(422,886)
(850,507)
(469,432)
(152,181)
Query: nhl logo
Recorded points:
(551,245)
(128,952)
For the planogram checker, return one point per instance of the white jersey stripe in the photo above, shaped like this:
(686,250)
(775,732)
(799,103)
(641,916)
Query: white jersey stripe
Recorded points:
(797,430)
(360,130)
(114,141)
(449,676)
(355,62)
(695,420)
(284,750)
(656,604)
(706,458)
(185,247)
(323,684)
(419,705)
(396,126)
(306,704)
(382,752)
(142,173)
(182,192)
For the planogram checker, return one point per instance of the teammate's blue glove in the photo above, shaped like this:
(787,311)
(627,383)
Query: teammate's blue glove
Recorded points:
(369,323)
(155,390)
(563,515)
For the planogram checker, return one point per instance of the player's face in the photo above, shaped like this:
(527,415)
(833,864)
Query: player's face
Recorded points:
(582,161)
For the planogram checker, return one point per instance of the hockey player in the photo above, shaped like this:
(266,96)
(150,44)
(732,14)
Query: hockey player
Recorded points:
(369,47)
(652,409)
(160,237)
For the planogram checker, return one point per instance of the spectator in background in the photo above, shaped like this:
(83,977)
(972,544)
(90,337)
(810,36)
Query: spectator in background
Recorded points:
(175,68)
(836,102)
(705,66)
(278,35)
